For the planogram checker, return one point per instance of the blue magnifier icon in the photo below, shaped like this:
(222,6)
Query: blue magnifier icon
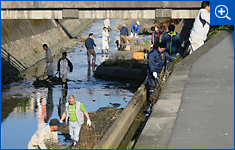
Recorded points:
(221,11)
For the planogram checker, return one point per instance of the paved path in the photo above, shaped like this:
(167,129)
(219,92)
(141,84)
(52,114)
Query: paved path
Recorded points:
(196,107)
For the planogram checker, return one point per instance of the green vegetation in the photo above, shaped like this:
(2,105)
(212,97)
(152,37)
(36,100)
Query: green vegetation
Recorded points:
(217,28)
(23,106)
(35,50)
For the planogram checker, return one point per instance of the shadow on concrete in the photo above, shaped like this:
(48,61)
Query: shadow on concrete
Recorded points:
(10,66)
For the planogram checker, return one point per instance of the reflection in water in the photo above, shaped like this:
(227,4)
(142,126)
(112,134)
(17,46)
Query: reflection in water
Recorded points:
(105,56)
(44,106)
(62,102)
(90,79)
(41,107)
(29,114)
(49,106)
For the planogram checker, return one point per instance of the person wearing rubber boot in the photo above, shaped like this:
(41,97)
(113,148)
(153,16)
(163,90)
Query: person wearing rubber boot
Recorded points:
(89,44)
(64,66)
(105,42)
(49,61)
(123,37)
(75,110)
(157,58)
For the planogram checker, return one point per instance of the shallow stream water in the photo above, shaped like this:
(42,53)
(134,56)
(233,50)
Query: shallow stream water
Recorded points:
(25,108)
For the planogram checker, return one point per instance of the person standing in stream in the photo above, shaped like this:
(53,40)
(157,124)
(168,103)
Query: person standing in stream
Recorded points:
(89,44)
(49,61)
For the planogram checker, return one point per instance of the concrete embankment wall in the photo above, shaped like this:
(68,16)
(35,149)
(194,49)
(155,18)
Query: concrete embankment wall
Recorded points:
(22,40)
(118,72)
(118,130)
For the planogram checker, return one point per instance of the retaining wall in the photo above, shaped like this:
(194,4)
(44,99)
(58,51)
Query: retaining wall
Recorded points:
(22,40)
(114,136)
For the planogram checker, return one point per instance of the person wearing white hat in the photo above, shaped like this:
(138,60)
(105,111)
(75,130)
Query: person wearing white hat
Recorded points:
(135,29)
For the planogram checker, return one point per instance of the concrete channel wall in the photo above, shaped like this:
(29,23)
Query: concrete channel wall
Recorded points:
(165,109)
(120,73)
(22,40)
(114,136)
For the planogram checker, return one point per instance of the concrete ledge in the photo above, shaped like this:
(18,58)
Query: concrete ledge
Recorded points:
(163,13)
(120,73)
(99,4)
(118,130)
(31,14)
(70,14)
(158,129)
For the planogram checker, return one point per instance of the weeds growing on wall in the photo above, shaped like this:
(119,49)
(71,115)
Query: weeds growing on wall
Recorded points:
(217,28)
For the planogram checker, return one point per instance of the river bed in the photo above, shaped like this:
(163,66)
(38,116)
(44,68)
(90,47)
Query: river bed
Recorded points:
(22,110)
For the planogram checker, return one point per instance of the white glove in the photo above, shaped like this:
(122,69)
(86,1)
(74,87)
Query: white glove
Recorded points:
(155,74)
(61,121)
(89,122)
(48,64)
(177,54)
(98,48)
(152,45)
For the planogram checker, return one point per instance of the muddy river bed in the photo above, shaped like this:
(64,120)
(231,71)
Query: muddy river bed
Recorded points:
(23,111)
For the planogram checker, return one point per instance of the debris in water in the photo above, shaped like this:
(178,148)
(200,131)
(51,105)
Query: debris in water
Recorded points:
(79,92)
(107,94)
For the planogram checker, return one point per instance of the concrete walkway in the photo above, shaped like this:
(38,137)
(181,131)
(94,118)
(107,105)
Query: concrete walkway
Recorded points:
(196,107)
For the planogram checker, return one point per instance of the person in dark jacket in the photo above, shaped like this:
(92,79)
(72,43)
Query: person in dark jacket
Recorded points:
(123,37)
(156,60)
(64,66)
(172,40)
(89,44)
(155,37)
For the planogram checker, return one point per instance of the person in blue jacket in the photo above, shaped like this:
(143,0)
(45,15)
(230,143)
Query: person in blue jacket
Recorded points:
(156,60)
(172,40)
(135,29)
(89,44)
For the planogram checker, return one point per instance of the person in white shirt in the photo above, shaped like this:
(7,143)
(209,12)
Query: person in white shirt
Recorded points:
(42,135)
(64,67)
(201,27)
(105,42)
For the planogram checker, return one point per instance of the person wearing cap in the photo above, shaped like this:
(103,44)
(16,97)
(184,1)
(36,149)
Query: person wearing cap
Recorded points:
(201,27)
(105,42)
(135,29)
(42,135)
(123,37)
(75,110)
(156,60)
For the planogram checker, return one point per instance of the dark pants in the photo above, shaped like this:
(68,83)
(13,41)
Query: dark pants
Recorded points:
(89,52)
(152,81)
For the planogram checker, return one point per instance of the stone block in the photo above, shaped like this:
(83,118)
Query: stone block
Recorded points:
(163,13)
(70,13)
